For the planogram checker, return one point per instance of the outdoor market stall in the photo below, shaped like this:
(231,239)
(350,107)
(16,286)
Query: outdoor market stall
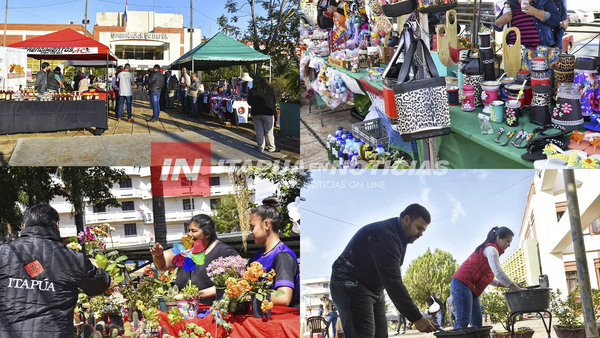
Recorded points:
(223,51)
(499,111)
(283,323)
(59,111)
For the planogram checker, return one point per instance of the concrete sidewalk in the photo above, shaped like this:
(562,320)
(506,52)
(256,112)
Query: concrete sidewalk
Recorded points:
(128,143)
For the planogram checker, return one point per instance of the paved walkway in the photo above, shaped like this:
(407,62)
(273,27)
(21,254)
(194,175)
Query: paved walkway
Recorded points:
(534,323)
(128,143)
(314,137)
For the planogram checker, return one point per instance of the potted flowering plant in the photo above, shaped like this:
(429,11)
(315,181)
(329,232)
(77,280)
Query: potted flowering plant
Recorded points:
(254,284)
(223,268)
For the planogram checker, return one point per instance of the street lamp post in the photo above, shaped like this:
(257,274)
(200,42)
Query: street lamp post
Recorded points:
(5,17)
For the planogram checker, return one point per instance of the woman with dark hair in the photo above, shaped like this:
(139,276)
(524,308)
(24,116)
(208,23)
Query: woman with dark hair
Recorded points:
(201,228)
(476,273)
(261,98)
(264,226)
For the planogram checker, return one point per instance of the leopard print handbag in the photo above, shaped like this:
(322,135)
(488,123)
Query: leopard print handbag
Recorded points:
(421,102)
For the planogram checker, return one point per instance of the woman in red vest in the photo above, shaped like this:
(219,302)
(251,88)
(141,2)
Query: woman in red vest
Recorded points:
(476,273)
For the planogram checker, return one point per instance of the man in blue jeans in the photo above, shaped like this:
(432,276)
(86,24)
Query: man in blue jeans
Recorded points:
(184,82)
(126,83)
(371,263)
(156,82)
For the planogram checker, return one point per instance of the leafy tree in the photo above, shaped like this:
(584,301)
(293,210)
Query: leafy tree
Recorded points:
(226,216)
(272,27)
(289,181)
(430,272)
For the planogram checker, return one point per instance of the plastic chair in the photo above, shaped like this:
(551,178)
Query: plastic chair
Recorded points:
(317,324)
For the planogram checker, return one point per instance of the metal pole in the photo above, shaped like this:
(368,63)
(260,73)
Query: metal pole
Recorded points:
(5,17)
(85,21)
(583,274)
(191,25)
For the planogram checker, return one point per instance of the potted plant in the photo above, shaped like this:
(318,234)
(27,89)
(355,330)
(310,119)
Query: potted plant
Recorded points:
(566,311)
(223,268)
(493,304)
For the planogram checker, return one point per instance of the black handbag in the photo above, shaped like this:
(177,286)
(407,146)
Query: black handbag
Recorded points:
(471,65)
(421,101)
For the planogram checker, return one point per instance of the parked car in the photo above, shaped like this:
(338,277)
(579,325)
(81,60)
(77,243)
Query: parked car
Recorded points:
(567,42)
(587,47)
(573,16)
(585,16)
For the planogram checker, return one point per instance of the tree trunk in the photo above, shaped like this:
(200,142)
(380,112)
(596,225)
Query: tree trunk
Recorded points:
(160,222)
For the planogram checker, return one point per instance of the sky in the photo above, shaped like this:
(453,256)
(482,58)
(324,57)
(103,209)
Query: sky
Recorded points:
(464,206)
(62,11)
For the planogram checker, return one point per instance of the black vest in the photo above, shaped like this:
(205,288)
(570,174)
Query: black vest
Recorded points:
(52,83)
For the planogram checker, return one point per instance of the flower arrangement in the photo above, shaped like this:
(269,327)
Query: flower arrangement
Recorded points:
(95,238)
(188,253)
(223,268)
(466,42)
(253,282)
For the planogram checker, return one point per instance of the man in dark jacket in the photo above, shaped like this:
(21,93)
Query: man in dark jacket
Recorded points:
(371,263)
(40,277)
(171,89)
(155,84)
(41,79)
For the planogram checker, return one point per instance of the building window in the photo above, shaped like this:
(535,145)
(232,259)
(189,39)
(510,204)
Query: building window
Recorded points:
(559,215)
(595,227)
(214,202)
(140,52)
(130,229)
(215,181)
(571,275)
(126,183)
(188,204)
(186,227)
(127,206)
(98,208)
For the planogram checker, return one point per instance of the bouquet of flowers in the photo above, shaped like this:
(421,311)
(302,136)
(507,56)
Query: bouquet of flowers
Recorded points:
(223,268)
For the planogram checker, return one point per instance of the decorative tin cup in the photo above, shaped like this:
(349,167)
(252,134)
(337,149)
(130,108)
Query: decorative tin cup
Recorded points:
(497,111)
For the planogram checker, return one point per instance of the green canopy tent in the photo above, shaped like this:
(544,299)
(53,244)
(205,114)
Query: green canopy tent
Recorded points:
(220,51)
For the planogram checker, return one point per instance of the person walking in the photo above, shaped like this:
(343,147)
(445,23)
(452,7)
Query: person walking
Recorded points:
(126,83)
(41,79)
(155,86)
(184,82)
(40,279)
(371,263)
(261,99)
(193,94)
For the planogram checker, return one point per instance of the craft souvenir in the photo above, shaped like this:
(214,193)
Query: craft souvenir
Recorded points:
(567,111)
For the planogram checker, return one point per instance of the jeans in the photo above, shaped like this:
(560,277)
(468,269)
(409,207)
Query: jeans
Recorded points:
(468,308)
(332,320)
(155,100)
(263,126)
(362,311)
(122,100)
(194,103)
(183,99)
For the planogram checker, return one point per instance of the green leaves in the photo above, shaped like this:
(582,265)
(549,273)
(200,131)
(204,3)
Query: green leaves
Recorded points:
(430,272)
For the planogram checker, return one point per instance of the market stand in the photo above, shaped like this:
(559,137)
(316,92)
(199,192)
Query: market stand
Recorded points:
(63,111)
(222,51)
(471,142)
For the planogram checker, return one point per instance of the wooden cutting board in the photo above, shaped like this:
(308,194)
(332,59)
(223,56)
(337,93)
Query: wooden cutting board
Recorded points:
(442,46)
(511,55)
(452,28)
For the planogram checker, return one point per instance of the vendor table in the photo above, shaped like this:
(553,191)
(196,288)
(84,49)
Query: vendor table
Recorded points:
(466,147)
(38,116)
(284,322)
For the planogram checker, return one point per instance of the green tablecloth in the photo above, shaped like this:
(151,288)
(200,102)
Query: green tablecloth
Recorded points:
(362,73)
(466,147)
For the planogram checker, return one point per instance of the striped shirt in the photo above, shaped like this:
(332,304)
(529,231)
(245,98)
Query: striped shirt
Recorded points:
(530,38)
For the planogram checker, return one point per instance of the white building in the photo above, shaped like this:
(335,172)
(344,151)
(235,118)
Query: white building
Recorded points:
(146,39)
(546,220)
(311,291)
(134,221)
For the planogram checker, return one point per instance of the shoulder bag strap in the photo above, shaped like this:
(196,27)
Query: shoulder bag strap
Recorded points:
(402,46)
(418,44)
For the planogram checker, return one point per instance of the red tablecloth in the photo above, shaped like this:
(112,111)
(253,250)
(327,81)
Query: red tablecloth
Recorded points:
(284,322)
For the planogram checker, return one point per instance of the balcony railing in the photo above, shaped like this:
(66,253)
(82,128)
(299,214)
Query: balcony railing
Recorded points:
(121,216)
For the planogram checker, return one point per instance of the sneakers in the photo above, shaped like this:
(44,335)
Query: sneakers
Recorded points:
(130,120)
(273,151)
(152,120)
(118,119)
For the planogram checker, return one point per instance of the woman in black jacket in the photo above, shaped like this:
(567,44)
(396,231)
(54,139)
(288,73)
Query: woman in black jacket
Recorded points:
(261,99)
